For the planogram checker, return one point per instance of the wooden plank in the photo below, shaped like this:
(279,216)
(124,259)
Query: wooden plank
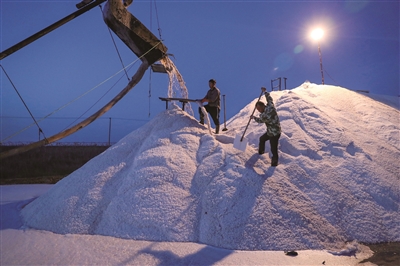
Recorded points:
(182,100)
(178,99)
(159,68)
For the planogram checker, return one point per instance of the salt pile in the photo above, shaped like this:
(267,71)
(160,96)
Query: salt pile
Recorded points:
(170,180)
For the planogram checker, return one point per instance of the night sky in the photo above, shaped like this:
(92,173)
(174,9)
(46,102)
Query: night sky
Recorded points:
(242,44)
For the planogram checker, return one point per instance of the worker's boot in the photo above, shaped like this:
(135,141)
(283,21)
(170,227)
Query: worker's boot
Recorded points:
(217,129)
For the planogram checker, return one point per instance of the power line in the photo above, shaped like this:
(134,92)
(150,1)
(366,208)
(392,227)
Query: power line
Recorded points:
(70,117)
(26,106)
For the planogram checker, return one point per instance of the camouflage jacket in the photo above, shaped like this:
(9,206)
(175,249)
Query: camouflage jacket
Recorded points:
(270,117)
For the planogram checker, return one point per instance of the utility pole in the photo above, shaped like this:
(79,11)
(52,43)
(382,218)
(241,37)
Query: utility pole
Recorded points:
(320,63)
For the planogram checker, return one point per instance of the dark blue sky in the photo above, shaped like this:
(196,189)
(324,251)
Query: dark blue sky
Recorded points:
(241,44)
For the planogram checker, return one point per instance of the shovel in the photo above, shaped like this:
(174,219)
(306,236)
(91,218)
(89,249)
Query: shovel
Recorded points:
(240,143)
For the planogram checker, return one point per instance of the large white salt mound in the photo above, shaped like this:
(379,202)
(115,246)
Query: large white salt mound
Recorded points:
(338,179)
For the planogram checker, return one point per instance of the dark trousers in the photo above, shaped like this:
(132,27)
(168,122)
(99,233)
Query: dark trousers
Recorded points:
(273,141)
(214,113)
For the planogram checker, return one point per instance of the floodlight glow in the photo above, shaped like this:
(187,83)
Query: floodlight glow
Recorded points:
(317,34)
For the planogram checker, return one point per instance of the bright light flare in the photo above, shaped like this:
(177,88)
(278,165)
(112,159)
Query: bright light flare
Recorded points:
(317,34)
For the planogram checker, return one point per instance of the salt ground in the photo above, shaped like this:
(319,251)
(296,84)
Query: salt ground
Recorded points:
(38,247)
(177,195)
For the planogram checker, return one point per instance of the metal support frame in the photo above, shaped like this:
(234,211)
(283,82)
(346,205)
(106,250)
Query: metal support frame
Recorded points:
(279,86)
